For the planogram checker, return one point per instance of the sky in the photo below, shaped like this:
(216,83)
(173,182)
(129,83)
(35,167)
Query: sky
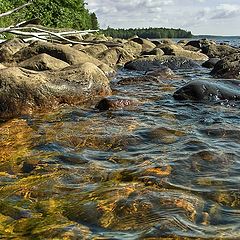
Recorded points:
(214,17)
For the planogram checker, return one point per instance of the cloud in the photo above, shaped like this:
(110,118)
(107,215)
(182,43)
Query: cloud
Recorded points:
(190,14)
(226,11)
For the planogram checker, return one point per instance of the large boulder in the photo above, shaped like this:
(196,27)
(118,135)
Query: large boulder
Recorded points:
(114,56)
(204,90)
(95,50)
(210,63)
(59,51)
(43,62)
(25,91)
(228,67)
(9,48)
(147,45)
(156,52)
(219,51)
(153,62)
(177,50)
(2,66)
(133,48)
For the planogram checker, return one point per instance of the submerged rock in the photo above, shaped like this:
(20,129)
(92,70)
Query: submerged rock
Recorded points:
(115,102)
(163,73)
(138,80)
(24,91)
(228,67)
(203,90)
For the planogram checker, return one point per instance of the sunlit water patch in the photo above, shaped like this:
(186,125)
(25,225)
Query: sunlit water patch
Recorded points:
(160,169)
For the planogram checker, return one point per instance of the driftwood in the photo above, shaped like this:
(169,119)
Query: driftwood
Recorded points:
(34,32)
(15,9)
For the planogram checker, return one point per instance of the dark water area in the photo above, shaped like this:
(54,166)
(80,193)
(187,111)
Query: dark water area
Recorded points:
(162,169)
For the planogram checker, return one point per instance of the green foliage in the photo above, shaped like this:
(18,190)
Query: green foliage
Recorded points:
(52,13)
(153,33)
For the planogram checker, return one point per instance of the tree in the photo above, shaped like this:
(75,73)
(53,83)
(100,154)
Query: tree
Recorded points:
(52,13)
(94,20)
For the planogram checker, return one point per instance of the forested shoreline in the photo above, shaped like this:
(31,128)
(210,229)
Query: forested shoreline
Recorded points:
(147,33)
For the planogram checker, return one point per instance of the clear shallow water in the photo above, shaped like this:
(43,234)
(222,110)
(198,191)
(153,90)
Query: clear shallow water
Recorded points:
(164,169)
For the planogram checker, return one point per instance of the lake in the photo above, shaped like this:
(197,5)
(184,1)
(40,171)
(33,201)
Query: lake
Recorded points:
(163,169)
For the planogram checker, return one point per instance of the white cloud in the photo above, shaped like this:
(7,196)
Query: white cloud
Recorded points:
(196,15)
(226,11)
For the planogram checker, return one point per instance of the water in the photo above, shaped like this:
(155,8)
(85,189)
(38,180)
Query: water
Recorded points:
(163,169)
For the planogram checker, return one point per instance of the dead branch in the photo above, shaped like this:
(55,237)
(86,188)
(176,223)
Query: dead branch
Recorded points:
(15,9)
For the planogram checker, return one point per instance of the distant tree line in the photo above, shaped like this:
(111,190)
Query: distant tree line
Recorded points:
(147,33)
(52,13)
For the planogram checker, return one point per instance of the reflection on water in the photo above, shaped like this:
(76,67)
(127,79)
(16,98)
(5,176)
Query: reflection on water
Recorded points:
(160,170)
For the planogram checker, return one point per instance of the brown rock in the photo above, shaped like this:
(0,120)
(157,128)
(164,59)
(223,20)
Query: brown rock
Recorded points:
(114,56)
(133,48)
(59,51)
(2,66)
(24,91)
(146,44)
(228,67)
(9,48)
(43,62)
(115,102)
(95,49)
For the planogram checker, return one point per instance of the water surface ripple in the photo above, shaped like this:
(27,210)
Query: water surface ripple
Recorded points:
(164,169)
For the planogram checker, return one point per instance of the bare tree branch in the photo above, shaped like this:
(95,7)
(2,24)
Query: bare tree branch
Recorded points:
(15,9)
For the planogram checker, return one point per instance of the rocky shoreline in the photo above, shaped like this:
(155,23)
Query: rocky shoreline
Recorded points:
(41,76)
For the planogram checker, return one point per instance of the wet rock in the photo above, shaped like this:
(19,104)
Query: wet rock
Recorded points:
(163,73)
(115,56)
(24,91)
(210,63)
(146,44)
(163,135)
(59,51)
(154,62)
(139,80)
(115,102)
(43,62)
(228,67)
(9,48)
(204,90)
(29,165)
